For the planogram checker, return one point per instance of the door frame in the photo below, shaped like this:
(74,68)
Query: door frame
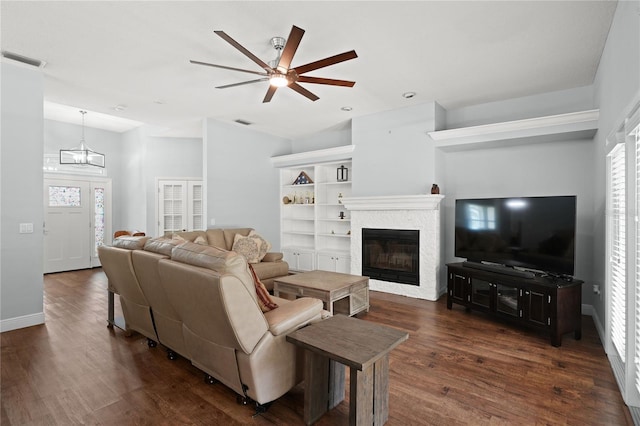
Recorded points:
(93,181)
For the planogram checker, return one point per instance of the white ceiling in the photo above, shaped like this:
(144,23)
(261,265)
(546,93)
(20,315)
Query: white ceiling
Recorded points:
(458,53)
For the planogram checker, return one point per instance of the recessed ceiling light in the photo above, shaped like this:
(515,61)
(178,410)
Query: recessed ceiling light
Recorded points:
(408,95)
(120,107)
(346,108)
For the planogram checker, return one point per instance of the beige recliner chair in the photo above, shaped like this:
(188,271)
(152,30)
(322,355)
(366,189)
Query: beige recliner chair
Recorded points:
(225,331)
(118,266)
(166,320)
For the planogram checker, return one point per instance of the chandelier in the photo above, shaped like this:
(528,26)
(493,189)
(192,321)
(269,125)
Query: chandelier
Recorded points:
(82,155)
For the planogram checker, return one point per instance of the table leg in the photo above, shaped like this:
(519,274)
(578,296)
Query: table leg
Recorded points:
(361,396)
(369,394)
(316,383)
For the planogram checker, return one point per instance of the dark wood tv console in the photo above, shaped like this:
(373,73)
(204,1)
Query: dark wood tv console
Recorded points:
(549,304)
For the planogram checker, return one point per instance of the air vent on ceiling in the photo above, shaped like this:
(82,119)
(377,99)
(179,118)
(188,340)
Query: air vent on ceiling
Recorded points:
(244,122)
(23,59)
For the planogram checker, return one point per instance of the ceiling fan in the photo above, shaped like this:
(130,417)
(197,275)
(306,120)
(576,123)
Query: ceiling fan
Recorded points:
(280,73)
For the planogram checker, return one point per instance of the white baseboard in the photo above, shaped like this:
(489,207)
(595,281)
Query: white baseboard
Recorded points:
(21,322)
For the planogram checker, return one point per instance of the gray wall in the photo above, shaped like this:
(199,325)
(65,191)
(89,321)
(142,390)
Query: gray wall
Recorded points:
(617,83)
(242,184)
(393,155)
(21,156)
(145,158)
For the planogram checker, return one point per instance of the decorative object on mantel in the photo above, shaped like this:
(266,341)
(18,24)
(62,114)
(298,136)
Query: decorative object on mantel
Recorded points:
(302,179)
(341,216)
(82,155)
(342,174)
(435,189)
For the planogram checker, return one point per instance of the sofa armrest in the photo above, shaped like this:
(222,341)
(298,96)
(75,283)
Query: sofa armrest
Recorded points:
(272,257)
(291,315)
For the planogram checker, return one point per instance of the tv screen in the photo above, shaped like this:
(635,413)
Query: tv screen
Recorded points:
(528,232)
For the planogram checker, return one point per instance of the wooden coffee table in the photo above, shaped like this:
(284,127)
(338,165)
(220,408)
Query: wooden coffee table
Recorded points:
(361,345)
(341,293)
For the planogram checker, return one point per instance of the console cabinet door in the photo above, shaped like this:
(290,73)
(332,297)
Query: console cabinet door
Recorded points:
(481,293)
(537,305)
(507,300)
(457,287)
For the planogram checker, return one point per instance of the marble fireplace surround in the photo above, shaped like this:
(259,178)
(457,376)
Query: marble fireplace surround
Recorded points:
(418,212)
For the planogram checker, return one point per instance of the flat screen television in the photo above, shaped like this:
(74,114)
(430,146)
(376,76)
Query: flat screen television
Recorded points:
(528,232)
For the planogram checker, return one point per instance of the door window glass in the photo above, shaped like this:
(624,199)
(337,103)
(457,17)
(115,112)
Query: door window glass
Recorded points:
(64,196)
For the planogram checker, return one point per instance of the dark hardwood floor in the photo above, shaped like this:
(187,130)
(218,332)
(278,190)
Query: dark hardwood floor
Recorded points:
(456,368)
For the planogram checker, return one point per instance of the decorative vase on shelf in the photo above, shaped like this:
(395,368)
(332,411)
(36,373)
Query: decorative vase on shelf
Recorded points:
(340,198)
(435,189)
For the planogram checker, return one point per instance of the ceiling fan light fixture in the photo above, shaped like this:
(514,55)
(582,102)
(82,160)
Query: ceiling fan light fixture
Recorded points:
(278,80)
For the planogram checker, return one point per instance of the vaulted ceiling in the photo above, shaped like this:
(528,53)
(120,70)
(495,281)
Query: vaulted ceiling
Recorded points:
(131,59)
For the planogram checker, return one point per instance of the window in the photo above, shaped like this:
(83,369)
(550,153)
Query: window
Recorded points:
(617,258)
(180,206)
(64,196)
(623,250)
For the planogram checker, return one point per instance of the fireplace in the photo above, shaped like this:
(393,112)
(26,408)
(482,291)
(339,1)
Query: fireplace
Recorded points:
(391,255)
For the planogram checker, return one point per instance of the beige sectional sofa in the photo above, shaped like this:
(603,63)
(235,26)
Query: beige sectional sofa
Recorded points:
(201,302)
(268,269)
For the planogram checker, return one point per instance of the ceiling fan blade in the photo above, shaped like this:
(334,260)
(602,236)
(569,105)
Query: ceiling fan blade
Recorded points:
(290,48)
(270,92)
(242,84)
(228,68)
(304,92)
(241,48)
(326,62)
(331,81)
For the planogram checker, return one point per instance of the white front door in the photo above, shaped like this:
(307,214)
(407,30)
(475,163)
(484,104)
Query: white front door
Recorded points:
(67,225)
(77,221)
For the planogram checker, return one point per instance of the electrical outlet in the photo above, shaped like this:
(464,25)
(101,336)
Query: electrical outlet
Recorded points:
(596,289)
(212,221)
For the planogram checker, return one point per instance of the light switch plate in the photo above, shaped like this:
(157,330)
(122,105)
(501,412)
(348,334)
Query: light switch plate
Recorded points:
(26,228)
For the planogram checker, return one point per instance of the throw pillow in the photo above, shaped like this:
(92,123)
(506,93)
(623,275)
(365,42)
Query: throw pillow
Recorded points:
(264,248)
(264,298)
(201,240)
(248,247)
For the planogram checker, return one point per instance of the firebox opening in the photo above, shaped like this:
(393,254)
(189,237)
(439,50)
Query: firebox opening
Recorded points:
(391,255)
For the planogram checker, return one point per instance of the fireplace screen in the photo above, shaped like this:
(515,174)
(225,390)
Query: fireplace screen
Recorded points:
(391,255)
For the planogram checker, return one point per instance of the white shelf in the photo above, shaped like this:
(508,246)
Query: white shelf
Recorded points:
(299,185)
(347,182)
(553,128)
(335,235)
(309,229)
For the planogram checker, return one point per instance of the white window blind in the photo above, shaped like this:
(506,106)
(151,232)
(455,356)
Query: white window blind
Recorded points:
(617,194)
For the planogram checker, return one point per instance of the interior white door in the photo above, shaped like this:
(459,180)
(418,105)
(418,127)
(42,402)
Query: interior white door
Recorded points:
(67,226)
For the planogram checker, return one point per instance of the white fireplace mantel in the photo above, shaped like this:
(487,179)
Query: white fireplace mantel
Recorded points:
(418,212)
(394,202)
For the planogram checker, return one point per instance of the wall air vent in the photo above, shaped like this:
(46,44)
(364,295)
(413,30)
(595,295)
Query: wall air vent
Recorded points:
(244,122)
(23,59)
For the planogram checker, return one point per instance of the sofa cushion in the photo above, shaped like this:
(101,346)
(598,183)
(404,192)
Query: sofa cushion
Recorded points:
(161,245)
(264,299)
(130,243)
(189,235)
(248,247)
(265,245)
(216,259)
(216,238)
(272,257)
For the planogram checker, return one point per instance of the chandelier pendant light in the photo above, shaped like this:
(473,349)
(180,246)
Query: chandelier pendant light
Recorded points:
(82,155)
